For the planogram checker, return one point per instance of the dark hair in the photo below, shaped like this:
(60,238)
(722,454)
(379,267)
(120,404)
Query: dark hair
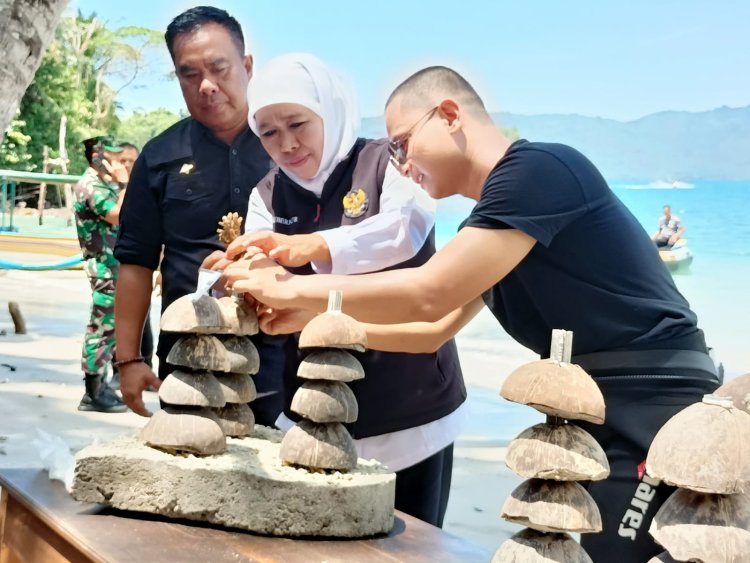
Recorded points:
(126,145)
(429,85)
(90,146)
(191,20)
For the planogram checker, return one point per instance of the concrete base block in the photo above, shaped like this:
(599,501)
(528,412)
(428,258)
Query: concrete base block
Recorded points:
(246,487)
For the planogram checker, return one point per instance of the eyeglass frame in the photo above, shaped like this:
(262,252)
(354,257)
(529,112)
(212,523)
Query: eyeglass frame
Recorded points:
(398,147)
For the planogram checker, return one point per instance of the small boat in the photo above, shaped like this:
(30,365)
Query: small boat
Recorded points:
(677,258)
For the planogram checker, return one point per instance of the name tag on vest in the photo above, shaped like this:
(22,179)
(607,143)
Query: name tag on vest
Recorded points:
(285,221)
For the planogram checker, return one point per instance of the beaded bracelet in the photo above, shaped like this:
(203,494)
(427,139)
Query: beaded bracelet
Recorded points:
(120,363)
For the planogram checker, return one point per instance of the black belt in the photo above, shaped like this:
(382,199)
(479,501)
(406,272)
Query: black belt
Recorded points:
(647,361)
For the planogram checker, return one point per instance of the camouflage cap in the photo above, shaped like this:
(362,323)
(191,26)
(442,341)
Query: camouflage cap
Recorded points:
(105,143)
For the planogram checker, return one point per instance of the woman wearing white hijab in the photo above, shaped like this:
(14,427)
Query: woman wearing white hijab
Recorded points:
(327,134)
(335,205)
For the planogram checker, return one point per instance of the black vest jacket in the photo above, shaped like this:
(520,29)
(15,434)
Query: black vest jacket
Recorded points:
(399,390)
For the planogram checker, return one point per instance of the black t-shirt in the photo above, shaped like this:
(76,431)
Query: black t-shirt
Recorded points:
(183,182)
(594,270)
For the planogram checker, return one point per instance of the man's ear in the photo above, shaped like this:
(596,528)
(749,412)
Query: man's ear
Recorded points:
(450,112)
(248,62)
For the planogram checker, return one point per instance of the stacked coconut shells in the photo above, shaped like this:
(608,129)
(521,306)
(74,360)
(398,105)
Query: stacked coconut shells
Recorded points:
(704,450)
(552,456)
(320,442)
(206,398)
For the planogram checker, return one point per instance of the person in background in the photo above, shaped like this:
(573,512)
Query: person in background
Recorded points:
(670,229)
(98,199)
(183,182)
(128,156)
(537,250)
(336,205)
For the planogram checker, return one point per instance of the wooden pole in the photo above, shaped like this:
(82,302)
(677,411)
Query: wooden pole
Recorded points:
(43,186)
(63,152)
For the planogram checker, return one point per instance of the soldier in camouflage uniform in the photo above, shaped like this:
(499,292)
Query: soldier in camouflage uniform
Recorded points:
(98,197)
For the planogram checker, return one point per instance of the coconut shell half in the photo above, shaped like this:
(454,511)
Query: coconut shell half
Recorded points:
(704,527)
(333,365)
(333,330)
(319,446)
(239,320)
(236,420)
(663,557)
(205,352)
(325,401)
(244,347)
(738,389)
(197,389)
(558,389)
(531,546)
(705,447)
(553,506)
(237,387)
(178,430)
(202,316)
(563,452)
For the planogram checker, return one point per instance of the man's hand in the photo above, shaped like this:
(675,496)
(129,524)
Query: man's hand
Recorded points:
(116,171)
(288,321)
(287,250)
(134,380)
(262,278)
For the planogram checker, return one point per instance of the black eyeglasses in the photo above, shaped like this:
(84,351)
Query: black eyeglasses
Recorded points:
(398,146)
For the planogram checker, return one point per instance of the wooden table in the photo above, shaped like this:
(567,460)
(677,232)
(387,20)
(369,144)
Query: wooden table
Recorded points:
(41,523)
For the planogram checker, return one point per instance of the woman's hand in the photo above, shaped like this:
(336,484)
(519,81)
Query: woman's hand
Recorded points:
(287,250)
(268,282)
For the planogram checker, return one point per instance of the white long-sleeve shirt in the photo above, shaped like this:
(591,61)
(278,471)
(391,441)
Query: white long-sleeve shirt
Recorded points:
(395,234)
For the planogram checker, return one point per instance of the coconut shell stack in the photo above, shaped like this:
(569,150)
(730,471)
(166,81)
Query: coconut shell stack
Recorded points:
(206,397)
(324,401)
(704,450)
(552,456)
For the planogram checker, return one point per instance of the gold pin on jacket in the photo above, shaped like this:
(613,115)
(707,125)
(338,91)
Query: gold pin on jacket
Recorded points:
(355,203)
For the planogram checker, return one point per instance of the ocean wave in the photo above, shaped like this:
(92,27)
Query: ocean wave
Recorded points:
(658,185)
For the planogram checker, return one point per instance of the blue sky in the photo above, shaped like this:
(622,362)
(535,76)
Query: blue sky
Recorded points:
(616,59)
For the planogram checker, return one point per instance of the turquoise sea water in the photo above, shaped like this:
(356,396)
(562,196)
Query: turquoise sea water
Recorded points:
(717,286)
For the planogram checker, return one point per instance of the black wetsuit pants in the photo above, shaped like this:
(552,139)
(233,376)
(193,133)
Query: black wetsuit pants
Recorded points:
(636,408)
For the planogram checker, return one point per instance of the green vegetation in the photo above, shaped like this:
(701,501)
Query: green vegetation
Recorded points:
(142,126)
(74,81)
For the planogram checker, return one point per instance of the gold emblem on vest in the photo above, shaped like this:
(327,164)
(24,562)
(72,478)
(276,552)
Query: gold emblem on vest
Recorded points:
(355,203)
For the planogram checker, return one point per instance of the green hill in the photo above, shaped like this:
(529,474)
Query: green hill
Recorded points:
(669,145)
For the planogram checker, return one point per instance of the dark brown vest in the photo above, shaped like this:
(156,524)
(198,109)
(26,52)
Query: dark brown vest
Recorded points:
(399,391)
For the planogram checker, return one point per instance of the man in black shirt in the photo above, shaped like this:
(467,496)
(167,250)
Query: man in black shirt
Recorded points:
(183,182)
(547,246)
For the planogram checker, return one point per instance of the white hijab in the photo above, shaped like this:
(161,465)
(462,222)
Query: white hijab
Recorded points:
(299,78)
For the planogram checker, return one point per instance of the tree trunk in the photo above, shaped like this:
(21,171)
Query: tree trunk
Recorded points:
(26,28)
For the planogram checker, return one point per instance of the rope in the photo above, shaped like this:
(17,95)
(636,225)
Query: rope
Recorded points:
(63,264)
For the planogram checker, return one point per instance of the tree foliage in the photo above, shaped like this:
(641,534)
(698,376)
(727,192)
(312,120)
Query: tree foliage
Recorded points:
(143,126)
(74,80)
(14,152)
